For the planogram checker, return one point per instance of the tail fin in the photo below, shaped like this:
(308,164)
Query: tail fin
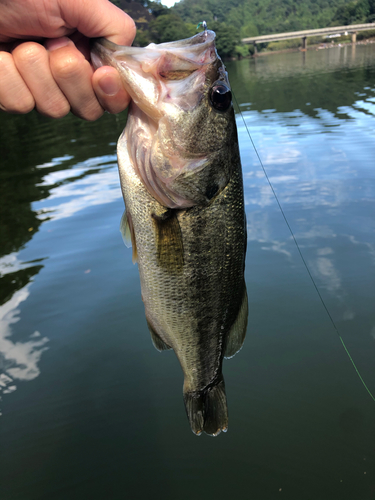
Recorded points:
(207,409)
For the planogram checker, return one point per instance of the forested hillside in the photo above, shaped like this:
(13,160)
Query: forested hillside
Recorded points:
(262,16)
(236,19)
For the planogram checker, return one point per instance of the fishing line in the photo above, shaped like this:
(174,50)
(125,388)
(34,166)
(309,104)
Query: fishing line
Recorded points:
(300,253)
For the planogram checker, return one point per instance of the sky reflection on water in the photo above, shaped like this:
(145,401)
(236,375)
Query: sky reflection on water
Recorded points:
(70,194)
(19,359)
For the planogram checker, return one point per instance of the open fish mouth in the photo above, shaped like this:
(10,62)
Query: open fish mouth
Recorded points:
(160,75)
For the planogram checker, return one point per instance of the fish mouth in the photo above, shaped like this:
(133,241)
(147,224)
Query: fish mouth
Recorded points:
(159,73)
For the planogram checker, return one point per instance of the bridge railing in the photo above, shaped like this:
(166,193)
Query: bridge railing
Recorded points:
(353,28)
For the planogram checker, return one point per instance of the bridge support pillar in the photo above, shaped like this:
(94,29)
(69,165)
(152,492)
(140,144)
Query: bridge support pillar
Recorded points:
(304,44)
(354,37)
(255,50)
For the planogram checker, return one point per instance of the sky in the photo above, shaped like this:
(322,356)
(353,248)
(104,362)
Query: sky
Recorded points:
(169,3)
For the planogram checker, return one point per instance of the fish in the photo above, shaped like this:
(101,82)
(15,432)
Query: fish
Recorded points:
(181,180)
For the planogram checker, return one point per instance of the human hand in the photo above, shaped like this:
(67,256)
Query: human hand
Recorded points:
(45,57)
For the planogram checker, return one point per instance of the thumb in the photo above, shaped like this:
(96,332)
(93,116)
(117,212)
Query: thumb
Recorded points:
(98,18)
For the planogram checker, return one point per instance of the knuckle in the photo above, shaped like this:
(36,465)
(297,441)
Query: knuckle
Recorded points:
(5,61)
(90,113)
(29,53)
(27,106)
(67,67)
(93,114)
(58,111)
(20,106)
(114,107)
(53,104)
(15,97)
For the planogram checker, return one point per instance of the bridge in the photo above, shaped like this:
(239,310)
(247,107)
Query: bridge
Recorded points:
(333,30)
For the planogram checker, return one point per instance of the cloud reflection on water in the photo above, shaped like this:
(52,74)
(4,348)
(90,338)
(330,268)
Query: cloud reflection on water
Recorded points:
(323,186)
(19,359)
(94,182)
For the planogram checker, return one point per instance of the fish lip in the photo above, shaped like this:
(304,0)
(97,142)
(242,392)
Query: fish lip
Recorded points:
(97,54)
(203,37)
(102,42)
(103,49)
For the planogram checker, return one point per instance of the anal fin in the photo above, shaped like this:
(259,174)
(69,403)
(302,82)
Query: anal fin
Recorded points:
(237,333)
(127,232)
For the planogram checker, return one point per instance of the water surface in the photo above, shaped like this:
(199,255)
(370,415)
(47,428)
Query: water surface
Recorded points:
(91,410)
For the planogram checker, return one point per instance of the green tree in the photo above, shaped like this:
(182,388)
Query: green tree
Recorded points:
(249,30)
(227,37)
(352,13)
(269,16)
(142,38)
(168,28)
(156,8)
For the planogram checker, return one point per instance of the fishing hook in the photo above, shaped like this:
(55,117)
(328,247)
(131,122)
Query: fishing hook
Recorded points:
(203,24)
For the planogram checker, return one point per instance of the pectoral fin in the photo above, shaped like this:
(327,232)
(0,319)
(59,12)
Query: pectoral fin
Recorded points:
(127,232)
(170,249)
(236,336)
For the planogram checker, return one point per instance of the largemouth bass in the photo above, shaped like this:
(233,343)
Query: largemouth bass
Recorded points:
(181,180)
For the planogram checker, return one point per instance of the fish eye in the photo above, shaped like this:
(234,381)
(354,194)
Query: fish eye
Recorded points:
(221,96)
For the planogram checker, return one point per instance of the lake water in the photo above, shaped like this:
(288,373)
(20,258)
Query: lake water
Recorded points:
(90,410)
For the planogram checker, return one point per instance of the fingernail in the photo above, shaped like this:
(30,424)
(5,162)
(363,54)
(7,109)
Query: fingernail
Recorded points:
(57,43)
(109,85)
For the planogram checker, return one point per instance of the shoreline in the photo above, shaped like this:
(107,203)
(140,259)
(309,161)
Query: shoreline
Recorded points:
(317,46)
